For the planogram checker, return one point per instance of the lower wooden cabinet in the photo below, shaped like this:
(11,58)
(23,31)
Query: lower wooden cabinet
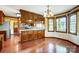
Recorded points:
(24,36)
(3,32)
(43,34)
(40,34)
(31,35)
(0,45)
(1,41)
(35,35)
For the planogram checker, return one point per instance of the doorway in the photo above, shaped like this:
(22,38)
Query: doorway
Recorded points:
(14,25)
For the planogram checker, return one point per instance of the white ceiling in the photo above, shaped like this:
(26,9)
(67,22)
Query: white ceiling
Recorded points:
(11,10)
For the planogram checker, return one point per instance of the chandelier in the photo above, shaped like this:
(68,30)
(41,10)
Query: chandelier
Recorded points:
(48,12)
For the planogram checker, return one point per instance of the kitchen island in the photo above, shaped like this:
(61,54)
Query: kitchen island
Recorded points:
(31,34)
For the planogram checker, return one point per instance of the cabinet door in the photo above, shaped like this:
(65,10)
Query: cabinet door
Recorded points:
(1,41)
(39,34)
(35,34)
(35,18)
(1,17)
(30,35)
(24,36)
(0,45)
(42,34)
(24,16)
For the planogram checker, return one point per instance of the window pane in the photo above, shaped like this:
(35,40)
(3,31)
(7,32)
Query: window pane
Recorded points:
(72,22)
(50,27)
(61,24)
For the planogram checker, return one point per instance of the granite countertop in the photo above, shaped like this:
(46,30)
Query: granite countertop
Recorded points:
(31,29)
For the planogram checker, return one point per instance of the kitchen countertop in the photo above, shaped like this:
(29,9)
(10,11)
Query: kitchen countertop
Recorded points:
(2,29)
(31,29)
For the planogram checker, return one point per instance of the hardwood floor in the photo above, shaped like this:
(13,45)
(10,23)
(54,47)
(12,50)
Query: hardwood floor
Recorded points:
(44,45)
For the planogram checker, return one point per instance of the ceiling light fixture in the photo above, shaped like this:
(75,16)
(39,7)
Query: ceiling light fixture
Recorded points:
(18,15)
(48,12)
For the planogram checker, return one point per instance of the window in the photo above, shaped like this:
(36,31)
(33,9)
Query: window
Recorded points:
(61,24)
(50,25)
(72,23)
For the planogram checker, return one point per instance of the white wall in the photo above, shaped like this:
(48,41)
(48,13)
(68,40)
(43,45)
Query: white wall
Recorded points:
(70,37)
(6,27)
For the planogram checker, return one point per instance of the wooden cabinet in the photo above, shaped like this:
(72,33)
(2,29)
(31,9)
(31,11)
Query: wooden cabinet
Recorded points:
(35,34)
(1,17)
(4,33)
(40,34)
(38,18)
(26,15)
(1,41)
(0,45)
(24,36)
(31,35)
(35,17)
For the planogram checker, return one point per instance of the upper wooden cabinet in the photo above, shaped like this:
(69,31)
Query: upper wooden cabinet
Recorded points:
(38,17)
(35,17)
(1,17)
(26,15)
